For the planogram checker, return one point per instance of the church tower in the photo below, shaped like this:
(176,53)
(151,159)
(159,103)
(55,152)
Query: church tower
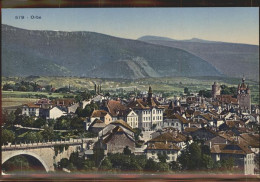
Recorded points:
(150,96)
(244,97)
(215,90)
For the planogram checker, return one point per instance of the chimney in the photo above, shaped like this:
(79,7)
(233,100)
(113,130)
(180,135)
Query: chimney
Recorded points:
(210,145)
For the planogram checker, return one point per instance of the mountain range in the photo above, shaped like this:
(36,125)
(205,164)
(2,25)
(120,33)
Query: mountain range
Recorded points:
(90,54)
(232,59)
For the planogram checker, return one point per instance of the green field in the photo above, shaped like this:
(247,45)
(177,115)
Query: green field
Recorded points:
(172,86)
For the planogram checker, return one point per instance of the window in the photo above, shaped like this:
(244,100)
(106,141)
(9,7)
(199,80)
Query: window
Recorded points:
(153,118)
(168,152)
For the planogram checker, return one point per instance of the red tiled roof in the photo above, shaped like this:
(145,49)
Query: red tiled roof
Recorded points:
(99,113)
(32,105)
(230,149)
(169,137)
(162,146)
(122,123)
(114,107)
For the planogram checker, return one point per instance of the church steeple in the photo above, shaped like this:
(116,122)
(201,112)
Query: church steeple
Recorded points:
(150,92)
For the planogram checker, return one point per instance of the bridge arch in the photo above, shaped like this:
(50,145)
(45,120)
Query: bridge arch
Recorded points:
(16,153)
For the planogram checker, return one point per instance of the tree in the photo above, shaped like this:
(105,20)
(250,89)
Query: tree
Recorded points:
(190,157)
(48,133)
(162,157)
(98,155)
(64,163)
(9,119)
(207,162)
(38,123)
(7,136)
(18,112)
(175,166)
(162,166)
(33,136)
(227,164)
(137,132)
(205,93)
(150,165)
(127,151)
(27,121)
(106,164)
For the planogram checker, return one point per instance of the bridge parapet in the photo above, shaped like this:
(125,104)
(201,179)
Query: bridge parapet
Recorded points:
(71,141)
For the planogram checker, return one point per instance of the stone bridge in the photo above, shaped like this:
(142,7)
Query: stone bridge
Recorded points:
(44,152)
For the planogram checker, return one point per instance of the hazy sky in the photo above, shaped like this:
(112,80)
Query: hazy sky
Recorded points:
(239,25)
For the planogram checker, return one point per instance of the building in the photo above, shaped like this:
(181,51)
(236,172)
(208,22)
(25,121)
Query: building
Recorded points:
(96,126)
(244,97)
(168,143)
(116,136)
(215,90)
(149,111)
(129,116)
(242,155)
(101,115)
(114,107)
(31,109)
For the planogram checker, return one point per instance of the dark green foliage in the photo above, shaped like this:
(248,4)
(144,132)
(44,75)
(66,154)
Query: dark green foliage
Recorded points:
(9,119)
(150,165)
(38,123)
(127,151)
(186,91)
(97,156)
(106,164)
(227,164)
(195,156)
(162,157)
(175,166)
(48,133)
(137,132)
(64,163)
(225,90)
(205,93)
(87,111)
(7,136)
(33,137)
(60,148)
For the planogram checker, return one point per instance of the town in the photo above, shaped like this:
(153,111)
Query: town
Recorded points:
(209,131)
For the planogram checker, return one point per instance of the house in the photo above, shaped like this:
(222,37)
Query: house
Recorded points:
(53,113)
(172,137)
(68,105)
(128,129)
(242,155)
(116,136)
(203,134)
(129,116)
(150,113)
(219,139)
(96,126)
(114,107)
(164,148)
(101,115)
(252,140)
(31,109)
(169,143)
(176,121)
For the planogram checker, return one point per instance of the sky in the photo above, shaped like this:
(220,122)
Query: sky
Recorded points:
(237,25)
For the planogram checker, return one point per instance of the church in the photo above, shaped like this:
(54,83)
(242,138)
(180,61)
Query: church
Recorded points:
(244,97)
